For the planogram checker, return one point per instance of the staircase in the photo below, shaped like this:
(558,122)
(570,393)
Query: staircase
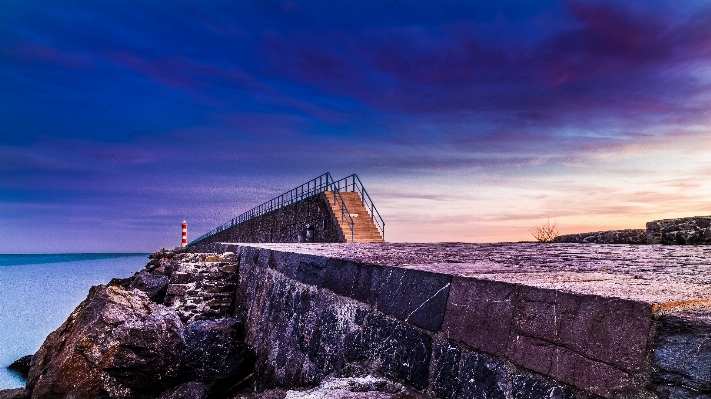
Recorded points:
(364,229)
(348,200)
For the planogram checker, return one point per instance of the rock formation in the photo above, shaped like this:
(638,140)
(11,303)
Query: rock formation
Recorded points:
(694,230)
(631,236)
(117,343)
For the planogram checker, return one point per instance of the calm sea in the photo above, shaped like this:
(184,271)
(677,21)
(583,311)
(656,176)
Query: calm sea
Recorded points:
(38,292)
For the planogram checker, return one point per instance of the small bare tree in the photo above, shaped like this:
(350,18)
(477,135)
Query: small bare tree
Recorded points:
(545,232)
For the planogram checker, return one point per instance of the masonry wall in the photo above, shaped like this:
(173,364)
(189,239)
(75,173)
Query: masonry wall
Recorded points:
(285,224)
(310,316)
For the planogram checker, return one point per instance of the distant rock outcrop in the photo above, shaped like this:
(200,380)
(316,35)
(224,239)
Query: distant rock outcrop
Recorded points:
(630,236)
(693,230)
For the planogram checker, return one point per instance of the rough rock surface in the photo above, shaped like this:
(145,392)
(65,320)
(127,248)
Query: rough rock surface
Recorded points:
(631,236)
(214,354)
(116,344)
(356,388)
(202,286)
(21,366)
(693,230)
(18,393)
(153,284)
(188,390)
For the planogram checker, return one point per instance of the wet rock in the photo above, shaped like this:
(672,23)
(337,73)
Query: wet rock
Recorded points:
(116,344)
(18,393)
(355,388)
(214,354)
(21,366)
(188,390)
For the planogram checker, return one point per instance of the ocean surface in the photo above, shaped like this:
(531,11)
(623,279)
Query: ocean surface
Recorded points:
(38,292)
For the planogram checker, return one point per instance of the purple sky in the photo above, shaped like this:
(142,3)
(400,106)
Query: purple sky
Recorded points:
(466,121)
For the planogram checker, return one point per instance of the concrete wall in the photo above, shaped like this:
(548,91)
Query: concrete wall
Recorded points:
(285,224)
(452,336)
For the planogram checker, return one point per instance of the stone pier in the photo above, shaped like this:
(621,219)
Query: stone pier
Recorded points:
(456,320)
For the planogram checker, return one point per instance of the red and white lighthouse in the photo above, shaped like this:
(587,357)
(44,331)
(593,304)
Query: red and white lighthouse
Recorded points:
(185,233)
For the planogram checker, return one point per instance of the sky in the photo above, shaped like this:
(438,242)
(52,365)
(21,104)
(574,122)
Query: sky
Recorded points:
(466,121)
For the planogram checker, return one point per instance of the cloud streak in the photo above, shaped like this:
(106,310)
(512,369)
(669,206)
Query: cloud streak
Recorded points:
(235,102)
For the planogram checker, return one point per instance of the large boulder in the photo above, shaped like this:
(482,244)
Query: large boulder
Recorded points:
(116,344)
(215,355)
(153,283)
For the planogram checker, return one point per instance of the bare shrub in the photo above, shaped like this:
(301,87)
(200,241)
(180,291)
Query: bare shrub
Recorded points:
(545,232)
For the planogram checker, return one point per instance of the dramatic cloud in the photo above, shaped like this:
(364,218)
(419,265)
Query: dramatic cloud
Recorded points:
(467,122)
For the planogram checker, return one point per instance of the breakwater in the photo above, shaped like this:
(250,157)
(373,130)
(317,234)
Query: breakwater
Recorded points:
(683,231)
(438,320)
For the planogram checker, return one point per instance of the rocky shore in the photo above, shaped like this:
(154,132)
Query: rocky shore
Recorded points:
(446,321)
(167,332)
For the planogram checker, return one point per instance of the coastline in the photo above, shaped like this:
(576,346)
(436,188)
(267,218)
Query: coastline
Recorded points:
(35,298)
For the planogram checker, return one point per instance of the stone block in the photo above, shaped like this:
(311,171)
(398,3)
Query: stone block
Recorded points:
(308,269)
(609,330)
(398,349)
(531,353)
(682,353)
(482,376)
(596,377)
(414,296)
(570,367)
(479,314)
(182,278)
(676,392)
(531,386)
(355,280)
(445,369)
(177,289)
(229,268)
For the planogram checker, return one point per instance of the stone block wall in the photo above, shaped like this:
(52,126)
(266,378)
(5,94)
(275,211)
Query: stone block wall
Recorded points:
(285,225)
(303,319)
(311,316)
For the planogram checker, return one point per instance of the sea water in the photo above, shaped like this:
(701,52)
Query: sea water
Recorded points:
(38,292)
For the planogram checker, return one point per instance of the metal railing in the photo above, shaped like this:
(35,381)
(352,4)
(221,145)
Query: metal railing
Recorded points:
(353,183)
(312,187)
